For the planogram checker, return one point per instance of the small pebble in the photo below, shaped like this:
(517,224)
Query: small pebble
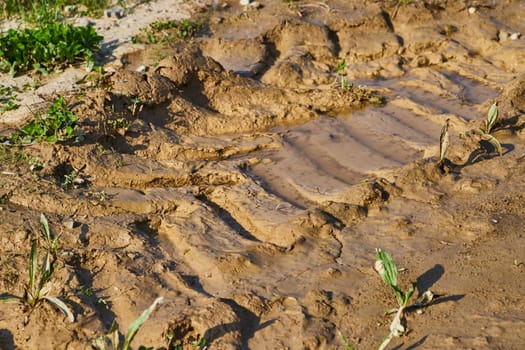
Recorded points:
(515,36)
(255,4)
(78,181)
(118,13)
(69,10)
(245,2)
(142,69)
(107,13)
(84,22)
(503,35)
(70,224)
(471,10)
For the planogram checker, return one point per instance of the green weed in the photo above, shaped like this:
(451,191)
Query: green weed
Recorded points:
(8,154)
(48,11)
(69,180)
(112,338)
(7,98)
(35,164)
(47,47)
(39,287)
(120,123)
(56,124)
(9,105)
(161,32)
(86,291)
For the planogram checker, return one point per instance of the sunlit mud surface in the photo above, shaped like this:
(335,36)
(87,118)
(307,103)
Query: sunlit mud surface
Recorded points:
(250,190)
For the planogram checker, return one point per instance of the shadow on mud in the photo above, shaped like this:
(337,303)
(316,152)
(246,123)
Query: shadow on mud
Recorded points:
(248,324)
(6,340)
(427,280)
(487,151)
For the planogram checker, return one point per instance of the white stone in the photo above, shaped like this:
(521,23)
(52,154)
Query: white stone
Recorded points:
(471,10)
(84,22)
(515,36)
(142,69)
(245,2)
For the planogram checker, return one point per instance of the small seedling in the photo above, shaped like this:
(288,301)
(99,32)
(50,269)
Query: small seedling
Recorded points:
(38,288)
(101,196)
(112,337)
(387,269)
(200,344)
(492,117)
(52,243)
(86,291)
(342,75)
(444,142)
(69,180)
(345,342)
(35,164)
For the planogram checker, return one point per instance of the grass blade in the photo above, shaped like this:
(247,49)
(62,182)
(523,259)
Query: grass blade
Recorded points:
(99,343)
(114,335)
(33,264)
(10,298)
(63,307)
(494,142)
(45,274)
(492,116)
(135,325)
(345,342)
(45,225)
(444,142)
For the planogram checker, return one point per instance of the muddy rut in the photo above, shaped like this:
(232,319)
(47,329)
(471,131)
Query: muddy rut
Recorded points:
(249,189)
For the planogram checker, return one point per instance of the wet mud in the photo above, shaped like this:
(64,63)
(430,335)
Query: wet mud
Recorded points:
(238,180)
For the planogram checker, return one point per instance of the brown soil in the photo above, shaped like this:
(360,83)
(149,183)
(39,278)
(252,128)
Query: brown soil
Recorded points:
(250,191)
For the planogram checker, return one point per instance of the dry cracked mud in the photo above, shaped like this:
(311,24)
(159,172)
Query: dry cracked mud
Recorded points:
(238,180)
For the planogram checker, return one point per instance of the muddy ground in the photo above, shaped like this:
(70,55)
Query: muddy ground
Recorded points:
(238,180)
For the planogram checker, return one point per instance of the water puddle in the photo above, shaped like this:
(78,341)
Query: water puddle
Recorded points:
(325,156)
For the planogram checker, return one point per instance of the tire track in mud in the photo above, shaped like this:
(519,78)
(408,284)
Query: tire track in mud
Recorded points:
(260,208)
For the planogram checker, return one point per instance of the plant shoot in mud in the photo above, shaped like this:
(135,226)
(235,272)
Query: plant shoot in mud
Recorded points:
(492,117)
(112,339)
(341,67)
(345,342)
(387,269)
(485,132)
(39,285)
(444,142)
(51,242)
